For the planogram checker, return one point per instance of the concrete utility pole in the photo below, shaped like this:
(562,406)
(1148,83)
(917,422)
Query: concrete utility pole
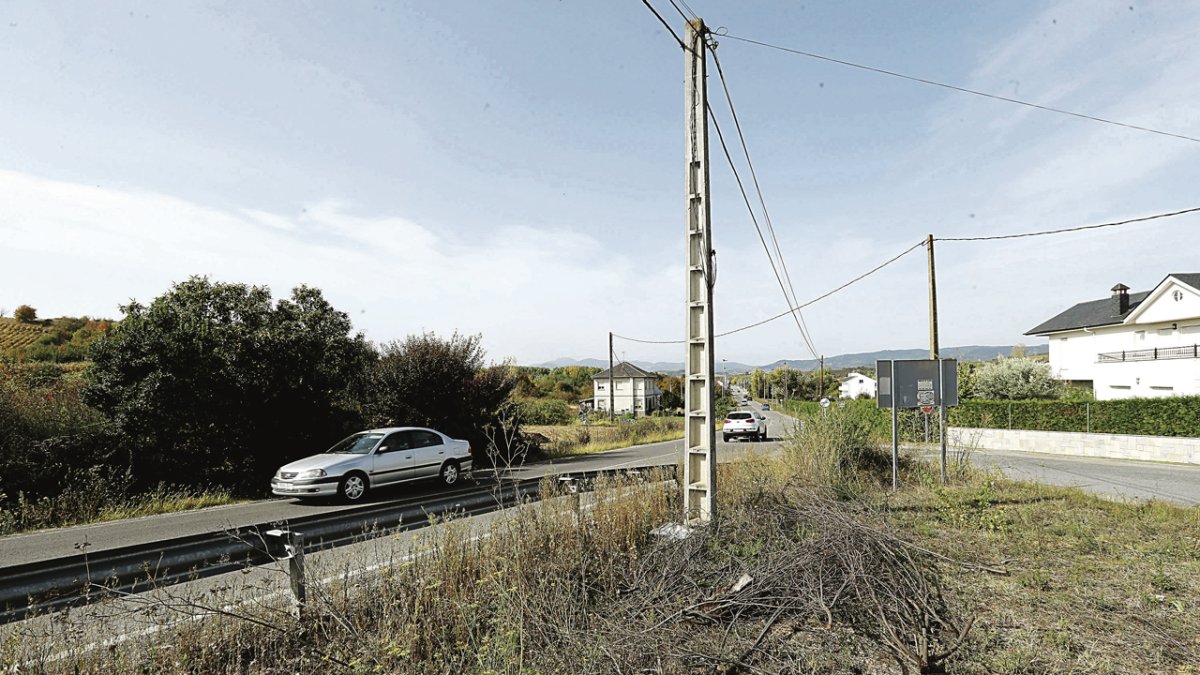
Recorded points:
(612,411)
(935,352)
(700,433)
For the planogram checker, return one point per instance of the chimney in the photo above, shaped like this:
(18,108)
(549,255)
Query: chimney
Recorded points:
(1120,299)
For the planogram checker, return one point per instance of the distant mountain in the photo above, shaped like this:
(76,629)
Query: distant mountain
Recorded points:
(862,359)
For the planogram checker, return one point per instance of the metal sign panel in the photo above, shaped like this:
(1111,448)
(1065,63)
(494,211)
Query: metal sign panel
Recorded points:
(918,382)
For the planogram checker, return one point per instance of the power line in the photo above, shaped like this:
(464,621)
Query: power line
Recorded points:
(1070,229)
(815,300)
(754,219)
(680,11)
(964,90)
(791,298)
(666,25)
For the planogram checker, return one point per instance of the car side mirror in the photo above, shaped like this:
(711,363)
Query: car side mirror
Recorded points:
(382,448)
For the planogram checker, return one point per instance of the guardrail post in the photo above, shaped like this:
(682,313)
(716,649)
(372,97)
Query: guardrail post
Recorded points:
(292,544)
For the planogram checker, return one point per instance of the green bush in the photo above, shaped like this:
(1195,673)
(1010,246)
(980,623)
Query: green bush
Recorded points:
(25,314)
(544,411)
(1016,379)
(1176,416)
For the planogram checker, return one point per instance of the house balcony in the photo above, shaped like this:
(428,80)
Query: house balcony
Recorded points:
(1158,354)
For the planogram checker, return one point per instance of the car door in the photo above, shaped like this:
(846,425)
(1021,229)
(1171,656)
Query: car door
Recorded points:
(429,452)
(393,459)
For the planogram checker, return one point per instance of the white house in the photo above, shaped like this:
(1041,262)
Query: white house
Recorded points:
(1131,345)
(855,385)
(634,390)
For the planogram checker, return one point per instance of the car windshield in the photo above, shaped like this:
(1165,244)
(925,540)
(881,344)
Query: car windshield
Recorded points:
(740,416)
(358,444)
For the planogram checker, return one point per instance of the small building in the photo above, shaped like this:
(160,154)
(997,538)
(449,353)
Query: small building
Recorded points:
(856,385)
(1131,345)
(634,390)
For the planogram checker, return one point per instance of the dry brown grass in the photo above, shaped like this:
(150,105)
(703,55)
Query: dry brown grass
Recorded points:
(578,439)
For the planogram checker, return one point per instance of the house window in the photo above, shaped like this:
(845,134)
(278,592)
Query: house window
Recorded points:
(1162,388)
(1119,386)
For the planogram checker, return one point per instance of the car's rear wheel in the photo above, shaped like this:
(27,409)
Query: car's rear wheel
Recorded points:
(726,437)
(450,473)
(353,487)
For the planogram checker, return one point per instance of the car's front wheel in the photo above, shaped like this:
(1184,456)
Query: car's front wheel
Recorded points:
(450,473)
(353,487)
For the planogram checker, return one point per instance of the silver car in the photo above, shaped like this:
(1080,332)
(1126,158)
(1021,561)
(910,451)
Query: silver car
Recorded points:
(371,459)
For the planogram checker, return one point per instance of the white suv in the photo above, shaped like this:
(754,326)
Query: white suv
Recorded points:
(745,423)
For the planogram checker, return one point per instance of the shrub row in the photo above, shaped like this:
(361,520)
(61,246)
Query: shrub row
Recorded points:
(1176,416)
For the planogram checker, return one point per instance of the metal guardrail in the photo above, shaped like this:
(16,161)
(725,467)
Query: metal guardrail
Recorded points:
(51,585)
(1157,354)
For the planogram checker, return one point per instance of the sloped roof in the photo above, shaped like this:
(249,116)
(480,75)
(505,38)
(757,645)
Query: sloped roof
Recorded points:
(622,370)
(1191,279)
(1095,313)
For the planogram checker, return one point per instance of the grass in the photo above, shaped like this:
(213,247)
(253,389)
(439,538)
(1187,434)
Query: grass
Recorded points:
(1094,585)
(577,439)
(94,498)
(814,566)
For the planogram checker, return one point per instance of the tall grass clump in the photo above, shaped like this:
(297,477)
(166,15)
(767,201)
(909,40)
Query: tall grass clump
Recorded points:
(838,451)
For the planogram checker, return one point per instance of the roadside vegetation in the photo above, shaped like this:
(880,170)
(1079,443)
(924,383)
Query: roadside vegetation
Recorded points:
(580,439)
(198,396)
(814,565)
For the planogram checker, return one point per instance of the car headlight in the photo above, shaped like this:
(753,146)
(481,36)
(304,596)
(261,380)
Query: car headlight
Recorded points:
(312,473)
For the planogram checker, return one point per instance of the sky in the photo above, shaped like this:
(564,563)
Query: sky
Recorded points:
(515,169)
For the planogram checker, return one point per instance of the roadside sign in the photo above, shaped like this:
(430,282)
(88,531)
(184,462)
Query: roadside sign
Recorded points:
(927,409)
(824,403)
(917,383)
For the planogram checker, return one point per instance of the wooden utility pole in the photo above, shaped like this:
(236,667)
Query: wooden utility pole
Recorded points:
(935,352)
(612,411)
(700,433)
(821,378)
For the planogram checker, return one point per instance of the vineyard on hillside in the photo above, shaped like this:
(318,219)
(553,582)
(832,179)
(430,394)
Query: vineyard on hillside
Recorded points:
(14,334)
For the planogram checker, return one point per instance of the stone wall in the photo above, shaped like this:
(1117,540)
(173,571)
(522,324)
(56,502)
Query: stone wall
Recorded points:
(1117,446)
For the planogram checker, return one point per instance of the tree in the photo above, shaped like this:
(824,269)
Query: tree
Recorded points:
(1016,379)
(425,380)
(212,383)
(25,314)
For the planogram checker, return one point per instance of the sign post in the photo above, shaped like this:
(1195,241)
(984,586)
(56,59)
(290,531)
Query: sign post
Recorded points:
(895,428)
(916,383)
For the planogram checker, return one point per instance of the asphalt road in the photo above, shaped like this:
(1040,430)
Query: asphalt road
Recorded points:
(1119,478)
(61,542)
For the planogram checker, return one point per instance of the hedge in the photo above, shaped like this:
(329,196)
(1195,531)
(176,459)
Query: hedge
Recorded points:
(545,411)
(1175,416)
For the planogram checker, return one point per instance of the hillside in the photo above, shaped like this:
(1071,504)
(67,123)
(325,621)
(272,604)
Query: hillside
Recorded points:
(14,334)
(857,360)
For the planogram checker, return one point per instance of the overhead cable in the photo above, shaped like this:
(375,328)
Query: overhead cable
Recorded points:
(754,219)
(789,290)
(1070,229)
(815,300)
(666,25)
(965,90)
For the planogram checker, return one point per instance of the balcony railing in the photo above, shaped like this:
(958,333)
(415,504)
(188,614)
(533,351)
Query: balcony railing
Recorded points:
(1158,354)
